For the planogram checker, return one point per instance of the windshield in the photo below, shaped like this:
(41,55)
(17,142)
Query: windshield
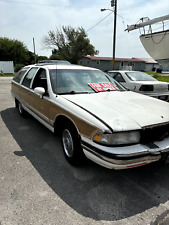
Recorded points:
(80,81)
(139,76)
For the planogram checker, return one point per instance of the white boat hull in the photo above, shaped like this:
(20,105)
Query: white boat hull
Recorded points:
(157,46)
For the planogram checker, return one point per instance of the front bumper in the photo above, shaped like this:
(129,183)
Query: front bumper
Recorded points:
(126,156)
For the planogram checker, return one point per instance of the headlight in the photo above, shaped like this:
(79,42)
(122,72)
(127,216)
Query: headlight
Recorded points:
(121,138)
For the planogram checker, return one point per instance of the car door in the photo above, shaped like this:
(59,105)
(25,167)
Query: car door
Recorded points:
(24,93)
(40,105)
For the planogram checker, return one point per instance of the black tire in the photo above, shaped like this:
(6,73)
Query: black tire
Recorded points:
(71,145)
(21,110)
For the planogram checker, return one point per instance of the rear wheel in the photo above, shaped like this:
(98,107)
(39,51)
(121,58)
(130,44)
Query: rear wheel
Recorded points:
(21,110)
(71,145)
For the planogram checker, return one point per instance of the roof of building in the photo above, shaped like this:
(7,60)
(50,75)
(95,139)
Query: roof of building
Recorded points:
(146,60)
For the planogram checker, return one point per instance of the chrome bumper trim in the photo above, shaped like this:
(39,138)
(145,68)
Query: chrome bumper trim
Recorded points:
(113,160)
(126,161)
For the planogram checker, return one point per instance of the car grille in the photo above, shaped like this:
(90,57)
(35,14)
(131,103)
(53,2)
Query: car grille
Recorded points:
(157,133)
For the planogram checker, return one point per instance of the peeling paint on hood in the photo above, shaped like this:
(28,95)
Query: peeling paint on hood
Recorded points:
(124,110)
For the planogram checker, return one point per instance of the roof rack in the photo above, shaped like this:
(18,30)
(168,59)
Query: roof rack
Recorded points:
(57,62)
(44,64)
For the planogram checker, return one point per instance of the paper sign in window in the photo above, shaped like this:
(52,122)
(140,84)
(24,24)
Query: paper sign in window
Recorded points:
(102,86)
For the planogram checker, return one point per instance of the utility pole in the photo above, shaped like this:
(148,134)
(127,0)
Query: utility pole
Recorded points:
(114,4)
(34,50)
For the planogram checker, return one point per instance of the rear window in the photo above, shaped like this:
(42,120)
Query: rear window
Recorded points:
(28,78)
(20,74)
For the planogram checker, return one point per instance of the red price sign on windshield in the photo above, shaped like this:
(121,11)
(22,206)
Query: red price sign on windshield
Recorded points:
(102,86)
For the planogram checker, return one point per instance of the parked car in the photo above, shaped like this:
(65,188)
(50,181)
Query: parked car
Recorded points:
(142,83)
(96,117)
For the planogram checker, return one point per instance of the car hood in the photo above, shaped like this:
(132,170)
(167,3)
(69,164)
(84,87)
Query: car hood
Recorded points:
(124,110)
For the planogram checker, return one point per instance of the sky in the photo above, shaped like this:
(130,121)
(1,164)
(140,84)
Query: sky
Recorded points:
(27,19)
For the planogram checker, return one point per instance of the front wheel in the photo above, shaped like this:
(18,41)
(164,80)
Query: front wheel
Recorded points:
(71,145)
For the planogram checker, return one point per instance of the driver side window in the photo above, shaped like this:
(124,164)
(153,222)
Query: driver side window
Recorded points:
(40,80)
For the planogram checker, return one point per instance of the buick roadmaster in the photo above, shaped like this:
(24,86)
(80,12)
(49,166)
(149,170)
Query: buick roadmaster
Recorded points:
(96,117)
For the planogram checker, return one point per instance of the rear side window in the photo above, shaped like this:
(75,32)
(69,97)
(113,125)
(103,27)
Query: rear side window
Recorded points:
(118,77)
(28,78)
(112,74)
(20,74)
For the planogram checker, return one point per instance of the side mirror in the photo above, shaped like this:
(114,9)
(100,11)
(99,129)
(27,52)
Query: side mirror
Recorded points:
(40,91)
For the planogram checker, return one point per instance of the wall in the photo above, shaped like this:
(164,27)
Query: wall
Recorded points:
(7,66)
(105,65)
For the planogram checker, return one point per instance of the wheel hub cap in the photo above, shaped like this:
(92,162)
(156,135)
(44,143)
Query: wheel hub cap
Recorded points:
(67,143)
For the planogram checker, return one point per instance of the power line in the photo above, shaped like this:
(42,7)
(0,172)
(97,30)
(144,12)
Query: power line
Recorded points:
(104,19)
(99,22)
(28,3)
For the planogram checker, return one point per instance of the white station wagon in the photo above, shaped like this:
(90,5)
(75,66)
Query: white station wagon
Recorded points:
(96,117)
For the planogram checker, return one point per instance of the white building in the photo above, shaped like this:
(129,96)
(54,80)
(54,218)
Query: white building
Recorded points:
(7,66)
(105,63)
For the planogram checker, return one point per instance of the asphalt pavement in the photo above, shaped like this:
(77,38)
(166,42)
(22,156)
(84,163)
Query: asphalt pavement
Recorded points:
(38,186)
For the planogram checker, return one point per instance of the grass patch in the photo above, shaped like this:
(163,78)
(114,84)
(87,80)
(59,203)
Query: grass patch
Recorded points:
(7,75)
(159,77)
(152,73)
(162,78)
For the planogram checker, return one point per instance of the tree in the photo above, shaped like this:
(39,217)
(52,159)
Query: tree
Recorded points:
(55,55)
(38,58)
(16,51)
(13,50)
(69,43)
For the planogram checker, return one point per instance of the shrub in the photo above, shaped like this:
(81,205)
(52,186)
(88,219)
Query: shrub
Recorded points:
(18,67)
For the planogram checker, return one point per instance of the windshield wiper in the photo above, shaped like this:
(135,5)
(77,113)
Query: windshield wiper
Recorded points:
(109,90)
(74,92)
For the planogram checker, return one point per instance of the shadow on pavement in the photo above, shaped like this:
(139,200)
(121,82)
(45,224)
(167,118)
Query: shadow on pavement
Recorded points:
(91,190)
